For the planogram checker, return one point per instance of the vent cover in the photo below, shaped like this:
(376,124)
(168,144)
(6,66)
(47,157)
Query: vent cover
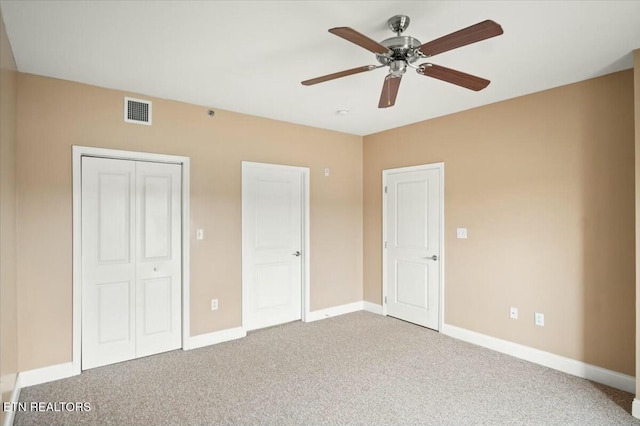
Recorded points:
(137,111)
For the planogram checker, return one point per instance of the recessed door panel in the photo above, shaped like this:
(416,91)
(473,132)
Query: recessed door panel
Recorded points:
(156,306)
(273,285)
(411,215)
(273,214)
(410,284)
(114,312)
(156,217)
(114,217)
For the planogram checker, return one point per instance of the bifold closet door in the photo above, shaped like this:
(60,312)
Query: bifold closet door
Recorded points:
(131,259)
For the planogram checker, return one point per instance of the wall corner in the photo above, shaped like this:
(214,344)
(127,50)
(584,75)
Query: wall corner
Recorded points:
(636,103)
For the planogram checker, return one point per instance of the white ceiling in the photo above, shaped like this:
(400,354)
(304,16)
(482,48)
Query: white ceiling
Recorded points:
(250,56)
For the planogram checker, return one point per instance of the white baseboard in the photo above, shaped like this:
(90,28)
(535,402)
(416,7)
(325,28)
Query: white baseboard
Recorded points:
(557,362)
(62,371)
(635,408)
(46,374)
(334,311)
(207,339)
(373,307)
(34,377)
(15,397)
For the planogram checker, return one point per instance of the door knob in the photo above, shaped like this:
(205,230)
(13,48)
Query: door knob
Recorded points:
(155,269)
(434,257)
(297,253)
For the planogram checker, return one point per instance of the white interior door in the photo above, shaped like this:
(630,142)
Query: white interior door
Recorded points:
(413,256)
(272,245)
(131,267)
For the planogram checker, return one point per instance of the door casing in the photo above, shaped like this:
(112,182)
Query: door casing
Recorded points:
(306,256)
(81,151)
(385,173)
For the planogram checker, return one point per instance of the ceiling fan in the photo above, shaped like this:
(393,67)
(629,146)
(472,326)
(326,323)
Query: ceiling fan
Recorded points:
(400,52)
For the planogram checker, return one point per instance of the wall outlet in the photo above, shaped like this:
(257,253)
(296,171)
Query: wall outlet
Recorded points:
(539,319)
(214,304)
(461,233)
(513,313)
(327,172)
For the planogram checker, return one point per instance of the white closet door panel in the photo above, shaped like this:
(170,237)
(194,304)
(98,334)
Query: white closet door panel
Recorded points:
(108,268)
(158,238)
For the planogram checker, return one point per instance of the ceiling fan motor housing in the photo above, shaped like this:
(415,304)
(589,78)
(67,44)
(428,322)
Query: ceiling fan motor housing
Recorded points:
(403,48)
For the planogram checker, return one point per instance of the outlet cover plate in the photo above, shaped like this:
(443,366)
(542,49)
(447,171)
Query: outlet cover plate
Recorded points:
(539,319)
(461,233)
(214,304)
(513,313)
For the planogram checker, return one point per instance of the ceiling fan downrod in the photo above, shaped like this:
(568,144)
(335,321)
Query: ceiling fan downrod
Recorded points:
(398,24)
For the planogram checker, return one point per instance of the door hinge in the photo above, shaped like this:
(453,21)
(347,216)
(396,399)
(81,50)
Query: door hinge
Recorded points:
(385,189)
(385,300)
(385,244)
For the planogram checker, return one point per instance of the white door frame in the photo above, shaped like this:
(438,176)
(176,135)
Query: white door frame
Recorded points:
(83,151)
(306,254)
(385,173)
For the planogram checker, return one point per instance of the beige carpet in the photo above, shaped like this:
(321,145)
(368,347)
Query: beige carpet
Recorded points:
(356,369)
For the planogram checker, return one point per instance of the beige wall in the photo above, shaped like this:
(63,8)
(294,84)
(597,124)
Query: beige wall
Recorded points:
(636,91)
(53,115)
(545,185)
(8,298)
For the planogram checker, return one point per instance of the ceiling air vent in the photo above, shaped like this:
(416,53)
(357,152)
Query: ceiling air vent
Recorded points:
(137,111)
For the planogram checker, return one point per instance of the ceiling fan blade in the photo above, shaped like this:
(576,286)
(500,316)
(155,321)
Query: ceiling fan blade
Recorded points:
(452,76)
(338,75)
(472,34)
(389,91)
(361,40)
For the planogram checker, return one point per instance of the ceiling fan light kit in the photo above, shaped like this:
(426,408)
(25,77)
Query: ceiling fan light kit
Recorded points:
(401,52)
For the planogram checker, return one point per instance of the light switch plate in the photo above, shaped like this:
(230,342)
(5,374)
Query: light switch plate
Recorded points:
(461,233)
(539,319)
(199,234)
